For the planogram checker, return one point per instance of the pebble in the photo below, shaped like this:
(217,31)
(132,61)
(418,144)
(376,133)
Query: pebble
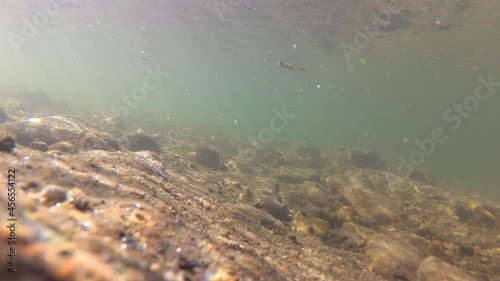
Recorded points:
(141,142)
(433,269)
(208,156)
(53,194)
(39,145)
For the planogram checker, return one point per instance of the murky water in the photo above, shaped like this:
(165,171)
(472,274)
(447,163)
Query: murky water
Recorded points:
(410,94)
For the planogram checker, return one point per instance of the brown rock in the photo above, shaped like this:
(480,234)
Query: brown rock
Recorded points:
(391,257)
(296,175)
(7,143)
(142,142)
(3,116)
(367,159)
(274,208)
(310,225)
(373,207)
(53,194)
(476,214)
(208,156)
(63,146)
(433,269)
(39,145)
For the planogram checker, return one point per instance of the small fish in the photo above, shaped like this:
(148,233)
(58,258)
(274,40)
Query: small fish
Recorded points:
(289,66)
(273,152)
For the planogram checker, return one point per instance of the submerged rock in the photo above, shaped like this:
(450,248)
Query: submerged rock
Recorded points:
(338,157)
(308,155)
(466,250)
(391,257)
(7,143)
(37,99)
(57,129)
(101,141)
(142,142)
(299,154)
(156,219)
(367,159)
(429,248)
(476,214)
(433,269)
(351,235)
(373,207)
(53,194)
(3,116)
(311,225)
(114,124)
(39,145)
(420,176)
(248,214)
(49,130)
(122,162)
(274,208)
(314,199)
(208,156)
(63,146)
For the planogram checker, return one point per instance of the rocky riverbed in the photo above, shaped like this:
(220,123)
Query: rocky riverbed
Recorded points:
(147,200)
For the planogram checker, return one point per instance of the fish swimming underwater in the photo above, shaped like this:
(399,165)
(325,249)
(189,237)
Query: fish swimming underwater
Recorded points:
(273,153)
(289,66)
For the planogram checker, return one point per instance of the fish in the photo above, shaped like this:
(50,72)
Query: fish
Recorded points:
(273,153)
(289,66)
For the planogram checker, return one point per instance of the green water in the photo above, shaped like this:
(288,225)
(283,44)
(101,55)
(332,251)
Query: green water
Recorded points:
(396,92)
